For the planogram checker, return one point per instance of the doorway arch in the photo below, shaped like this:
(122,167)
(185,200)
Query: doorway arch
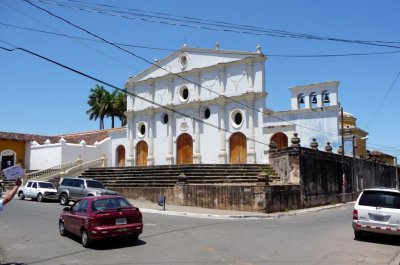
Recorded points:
(184,149)
(238,148)
(280,139)
(142,150)
(120,156)
(8,158)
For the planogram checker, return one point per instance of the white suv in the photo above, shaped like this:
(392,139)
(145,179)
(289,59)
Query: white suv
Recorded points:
(377,211)
(38,190)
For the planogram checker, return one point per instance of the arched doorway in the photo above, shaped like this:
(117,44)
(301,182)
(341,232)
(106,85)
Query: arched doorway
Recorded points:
(184,149)
(141,153)
(238,148)
(280,139)
(120,156)
(7,158)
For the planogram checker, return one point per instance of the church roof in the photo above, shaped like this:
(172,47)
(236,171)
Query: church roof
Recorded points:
(89,137)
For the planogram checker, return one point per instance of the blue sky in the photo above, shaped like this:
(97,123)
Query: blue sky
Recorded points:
(38,97)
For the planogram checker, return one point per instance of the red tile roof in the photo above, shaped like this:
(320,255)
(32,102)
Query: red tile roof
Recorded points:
(89,137)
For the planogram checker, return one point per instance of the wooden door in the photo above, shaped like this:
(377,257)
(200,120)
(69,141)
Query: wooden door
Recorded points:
(184,152)
(238,148)
(121,156)
(141,153)
(280,139)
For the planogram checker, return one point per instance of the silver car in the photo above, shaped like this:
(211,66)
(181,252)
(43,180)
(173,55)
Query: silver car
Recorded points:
(377,211)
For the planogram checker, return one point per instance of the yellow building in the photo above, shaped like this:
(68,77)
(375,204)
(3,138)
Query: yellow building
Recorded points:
(352,131)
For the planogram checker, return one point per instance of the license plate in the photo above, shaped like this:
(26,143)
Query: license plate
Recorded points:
(120,221)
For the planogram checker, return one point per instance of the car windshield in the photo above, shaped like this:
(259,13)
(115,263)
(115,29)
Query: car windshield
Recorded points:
(94,184)
(384,199)
(46,185)
(110,203)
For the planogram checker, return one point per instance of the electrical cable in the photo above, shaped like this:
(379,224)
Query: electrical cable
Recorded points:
(209,51)
(256,31)
(175,74)
(121,90)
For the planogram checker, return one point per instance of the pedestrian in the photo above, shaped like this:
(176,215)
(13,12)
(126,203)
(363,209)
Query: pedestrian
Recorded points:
(10,194)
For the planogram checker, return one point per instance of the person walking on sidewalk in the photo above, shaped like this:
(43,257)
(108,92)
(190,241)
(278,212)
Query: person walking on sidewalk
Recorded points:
(9,196)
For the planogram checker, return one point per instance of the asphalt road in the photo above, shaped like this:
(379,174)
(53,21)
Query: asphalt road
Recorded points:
(29,235)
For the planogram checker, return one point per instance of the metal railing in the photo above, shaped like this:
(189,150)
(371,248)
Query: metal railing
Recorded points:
(79,169)
(53,171)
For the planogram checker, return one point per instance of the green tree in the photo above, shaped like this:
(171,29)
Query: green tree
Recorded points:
(119,106)
(99,102)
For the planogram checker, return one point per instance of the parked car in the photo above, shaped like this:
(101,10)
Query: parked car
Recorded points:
(101,217)
(377,211)
(38,190)
(72,189)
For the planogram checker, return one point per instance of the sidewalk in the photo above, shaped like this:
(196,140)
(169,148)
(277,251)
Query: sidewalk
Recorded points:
(198,212)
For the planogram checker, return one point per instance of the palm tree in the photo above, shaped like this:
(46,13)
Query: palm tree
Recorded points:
(119,106)
(99,102)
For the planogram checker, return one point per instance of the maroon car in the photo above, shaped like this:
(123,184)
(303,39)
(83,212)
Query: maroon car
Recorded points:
(101,217)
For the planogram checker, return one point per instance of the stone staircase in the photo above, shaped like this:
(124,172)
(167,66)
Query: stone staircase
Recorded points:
(169,175)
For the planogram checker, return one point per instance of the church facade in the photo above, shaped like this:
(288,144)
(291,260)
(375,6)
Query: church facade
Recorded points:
(209,106)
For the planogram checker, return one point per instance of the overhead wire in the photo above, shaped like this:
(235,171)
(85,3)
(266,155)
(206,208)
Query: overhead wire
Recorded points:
(120,89)
(234,28)
(175,74)
(208,51)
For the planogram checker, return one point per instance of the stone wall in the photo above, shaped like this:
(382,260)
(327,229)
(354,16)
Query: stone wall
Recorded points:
(319,174)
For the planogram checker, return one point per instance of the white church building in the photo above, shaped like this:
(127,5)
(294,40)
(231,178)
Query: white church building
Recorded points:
(195,106)
(210,106)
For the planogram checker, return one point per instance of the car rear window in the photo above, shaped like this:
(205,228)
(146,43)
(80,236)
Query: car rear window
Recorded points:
(46,185)
(384,199)
(94,184)
(110,203)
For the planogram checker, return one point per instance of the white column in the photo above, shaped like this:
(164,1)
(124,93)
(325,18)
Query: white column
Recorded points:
(170,155)
(222,82)
(249,73)
(170,90)
(222,153)
(251,153)
(197,155)
(131,137)
(150,157)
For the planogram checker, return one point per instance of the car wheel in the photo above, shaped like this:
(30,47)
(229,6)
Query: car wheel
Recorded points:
(134,238)
(358,234)
(85,239)
(61,227)
(21,195)
(63,199)
(39,197)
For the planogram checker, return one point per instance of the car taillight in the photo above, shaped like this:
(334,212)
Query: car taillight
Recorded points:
(93,222)
(355,214)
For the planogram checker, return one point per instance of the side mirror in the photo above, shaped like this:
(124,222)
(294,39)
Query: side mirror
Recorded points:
(66,209)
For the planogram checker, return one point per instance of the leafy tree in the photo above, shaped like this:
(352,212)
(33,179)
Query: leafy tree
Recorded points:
(104,104)
(99,102)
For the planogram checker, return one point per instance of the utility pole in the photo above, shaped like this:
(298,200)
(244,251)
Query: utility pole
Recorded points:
(343,175)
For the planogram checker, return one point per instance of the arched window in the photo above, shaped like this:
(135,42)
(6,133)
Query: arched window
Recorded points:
(313,100)
(280,139)
(300,101)
(326,100)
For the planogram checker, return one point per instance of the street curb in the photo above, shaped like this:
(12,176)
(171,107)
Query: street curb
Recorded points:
(247,217)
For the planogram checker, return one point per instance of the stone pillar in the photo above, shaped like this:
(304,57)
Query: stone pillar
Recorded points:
(170,90)
(131,136)
(150,157)
(197,155)
(222,80)
(251,153)
(249,73)
(222,134)
(170,155)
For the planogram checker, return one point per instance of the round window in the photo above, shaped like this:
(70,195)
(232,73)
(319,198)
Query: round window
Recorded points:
(183,61)
(141,129)
(237,118)
(207,113)
(184,94)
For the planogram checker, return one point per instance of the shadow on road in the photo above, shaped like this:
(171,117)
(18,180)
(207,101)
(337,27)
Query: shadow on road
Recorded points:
(111,243)
(380,239)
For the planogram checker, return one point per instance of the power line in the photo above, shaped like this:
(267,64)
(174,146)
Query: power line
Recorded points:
(119,89)
(175,74)
(221,26)
(209,51)
(383,100)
